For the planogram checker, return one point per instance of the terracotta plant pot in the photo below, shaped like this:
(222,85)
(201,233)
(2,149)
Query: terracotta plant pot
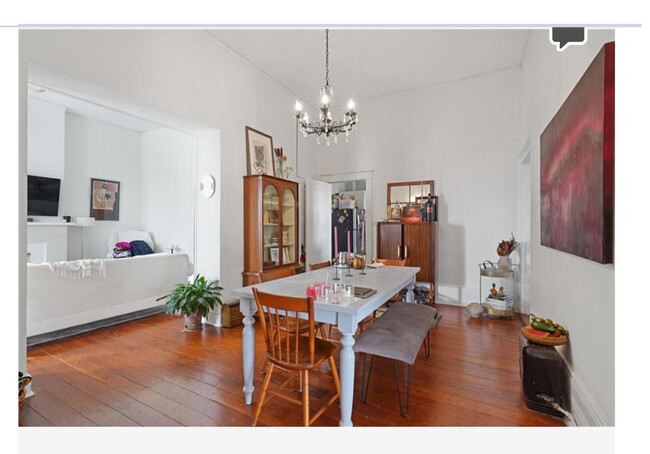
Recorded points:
(193,322)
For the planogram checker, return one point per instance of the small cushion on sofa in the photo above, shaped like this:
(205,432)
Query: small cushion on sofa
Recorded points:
(128,236)
(140,247)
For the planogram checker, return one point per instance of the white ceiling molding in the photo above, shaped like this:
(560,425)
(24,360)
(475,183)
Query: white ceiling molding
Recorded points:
(84,98)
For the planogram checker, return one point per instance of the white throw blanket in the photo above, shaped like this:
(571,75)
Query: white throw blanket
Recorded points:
(80,269)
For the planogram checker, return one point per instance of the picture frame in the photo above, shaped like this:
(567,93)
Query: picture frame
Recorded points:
(259,153)
(104,199)
(275,254)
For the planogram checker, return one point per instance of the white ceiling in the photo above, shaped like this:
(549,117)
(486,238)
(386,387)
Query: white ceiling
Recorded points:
(363,64)
(368,63)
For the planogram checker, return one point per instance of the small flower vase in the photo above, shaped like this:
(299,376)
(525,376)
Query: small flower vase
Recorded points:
(504,263)
(281,170)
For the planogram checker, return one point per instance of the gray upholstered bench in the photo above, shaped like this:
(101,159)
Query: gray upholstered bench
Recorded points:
(398,334)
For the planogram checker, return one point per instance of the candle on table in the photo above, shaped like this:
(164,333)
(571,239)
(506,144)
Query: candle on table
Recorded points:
(336,243)
(349,250)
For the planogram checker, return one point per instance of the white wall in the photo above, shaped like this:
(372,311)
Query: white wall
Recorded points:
(189,74)
(95,149)
(208,211)
(463,135)
(167,189)
(574,291)
(46,136)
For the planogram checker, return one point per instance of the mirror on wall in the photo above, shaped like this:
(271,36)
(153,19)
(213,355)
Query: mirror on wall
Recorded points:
(403,199)
(409,192)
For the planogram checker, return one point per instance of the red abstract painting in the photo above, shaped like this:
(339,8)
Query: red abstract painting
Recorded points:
(577,167)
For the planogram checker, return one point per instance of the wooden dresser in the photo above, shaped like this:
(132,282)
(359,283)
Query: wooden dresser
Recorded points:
(417,242)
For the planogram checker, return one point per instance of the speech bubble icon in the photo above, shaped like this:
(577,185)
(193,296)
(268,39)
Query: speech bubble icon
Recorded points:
(567,36)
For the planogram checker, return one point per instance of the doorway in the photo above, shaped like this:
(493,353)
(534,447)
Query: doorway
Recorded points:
(359,185)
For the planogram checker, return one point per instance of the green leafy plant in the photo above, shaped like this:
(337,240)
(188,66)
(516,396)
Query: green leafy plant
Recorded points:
(199,296)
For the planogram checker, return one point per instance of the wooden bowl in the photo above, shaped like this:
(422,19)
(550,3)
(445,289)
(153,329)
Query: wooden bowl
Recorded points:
(532,335)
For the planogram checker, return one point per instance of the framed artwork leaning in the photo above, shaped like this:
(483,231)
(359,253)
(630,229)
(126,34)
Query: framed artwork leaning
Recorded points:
(259,153)
(104,199)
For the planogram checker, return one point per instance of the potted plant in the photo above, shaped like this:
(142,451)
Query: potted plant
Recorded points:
(194,301)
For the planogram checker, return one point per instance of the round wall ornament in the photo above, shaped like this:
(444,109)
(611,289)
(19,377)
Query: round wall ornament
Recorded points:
(207,186)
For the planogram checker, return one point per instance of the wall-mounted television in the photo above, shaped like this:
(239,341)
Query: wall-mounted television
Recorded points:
(43,196)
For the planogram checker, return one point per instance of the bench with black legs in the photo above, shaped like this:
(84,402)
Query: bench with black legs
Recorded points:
(398,335)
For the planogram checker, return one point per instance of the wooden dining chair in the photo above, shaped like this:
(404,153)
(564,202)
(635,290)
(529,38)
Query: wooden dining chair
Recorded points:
(390,262)
(279,273)
(318,266)
(288,350)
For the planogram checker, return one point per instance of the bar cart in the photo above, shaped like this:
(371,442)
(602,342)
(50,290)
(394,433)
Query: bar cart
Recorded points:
(500,291)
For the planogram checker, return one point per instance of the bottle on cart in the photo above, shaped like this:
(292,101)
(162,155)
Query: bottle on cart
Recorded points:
(429,209)
(423,212)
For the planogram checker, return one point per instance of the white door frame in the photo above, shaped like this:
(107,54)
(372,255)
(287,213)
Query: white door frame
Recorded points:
(360,175)
(524,221)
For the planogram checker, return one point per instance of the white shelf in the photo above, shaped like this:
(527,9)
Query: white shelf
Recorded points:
(61,224)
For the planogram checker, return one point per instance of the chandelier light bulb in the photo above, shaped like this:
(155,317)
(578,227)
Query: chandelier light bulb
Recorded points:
(306,117)
(298,106)
(351,104)
(325,99)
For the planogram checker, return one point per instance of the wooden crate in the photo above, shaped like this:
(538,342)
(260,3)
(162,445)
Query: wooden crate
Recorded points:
(231,315)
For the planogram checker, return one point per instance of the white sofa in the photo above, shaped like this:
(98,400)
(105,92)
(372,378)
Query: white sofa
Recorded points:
(130,284)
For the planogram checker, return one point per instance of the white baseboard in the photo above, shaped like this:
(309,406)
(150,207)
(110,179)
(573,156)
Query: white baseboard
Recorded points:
(584,411)
(455,295)
(65,319)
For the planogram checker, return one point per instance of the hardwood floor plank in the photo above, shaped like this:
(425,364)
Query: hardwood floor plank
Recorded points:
(116,398)
(152,373)
(56,411)
(139,384)
(82,402)
(29,417)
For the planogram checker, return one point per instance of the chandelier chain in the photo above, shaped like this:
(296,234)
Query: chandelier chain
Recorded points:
(327,56)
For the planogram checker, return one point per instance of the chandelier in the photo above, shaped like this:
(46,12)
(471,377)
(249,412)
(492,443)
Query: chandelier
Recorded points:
(326,126)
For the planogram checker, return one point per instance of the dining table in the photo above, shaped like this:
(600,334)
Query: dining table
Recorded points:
(386,281)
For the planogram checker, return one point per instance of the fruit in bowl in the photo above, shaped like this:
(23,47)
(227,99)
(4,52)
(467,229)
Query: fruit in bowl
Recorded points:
(547,325)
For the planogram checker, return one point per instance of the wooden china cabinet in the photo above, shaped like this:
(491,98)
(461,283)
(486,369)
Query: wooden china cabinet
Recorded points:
(270,226)
(404,236)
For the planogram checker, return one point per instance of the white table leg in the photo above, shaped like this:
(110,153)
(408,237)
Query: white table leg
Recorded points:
(410,296)
(347,374)
(248,343)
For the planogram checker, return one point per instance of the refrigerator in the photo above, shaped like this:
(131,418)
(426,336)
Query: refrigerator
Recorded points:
(352,221)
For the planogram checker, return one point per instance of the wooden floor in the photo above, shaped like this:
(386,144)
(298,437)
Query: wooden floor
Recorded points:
(149,372)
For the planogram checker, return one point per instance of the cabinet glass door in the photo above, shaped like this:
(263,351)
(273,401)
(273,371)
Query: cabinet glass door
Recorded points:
(271,226)
(289,233)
